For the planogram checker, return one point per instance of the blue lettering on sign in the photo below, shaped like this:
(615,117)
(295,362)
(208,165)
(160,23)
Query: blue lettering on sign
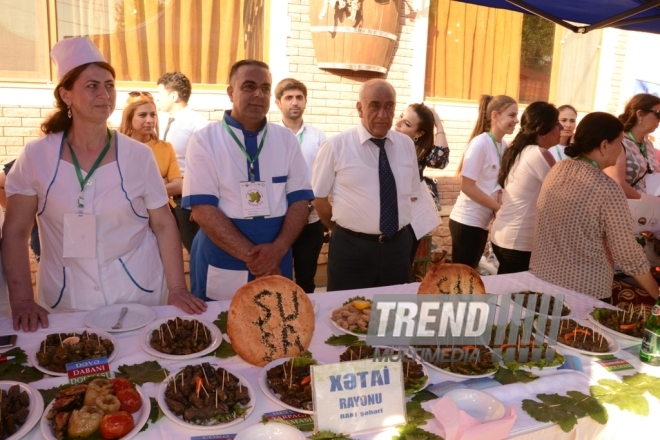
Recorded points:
(87,363)
(349,381)
(356,401)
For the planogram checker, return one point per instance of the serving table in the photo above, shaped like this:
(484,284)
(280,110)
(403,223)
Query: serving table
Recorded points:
(621,424)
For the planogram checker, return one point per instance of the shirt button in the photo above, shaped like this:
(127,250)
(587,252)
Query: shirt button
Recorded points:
(96,288)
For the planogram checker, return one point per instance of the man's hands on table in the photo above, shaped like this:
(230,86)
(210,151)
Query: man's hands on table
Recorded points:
(27,314)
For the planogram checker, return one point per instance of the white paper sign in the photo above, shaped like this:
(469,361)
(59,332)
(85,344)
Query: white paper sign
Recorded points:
(358,396)
(254,199)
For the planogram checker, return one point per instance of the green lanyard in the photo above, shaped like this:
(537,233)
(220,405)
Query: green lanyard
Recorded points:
(559,152)
(499,151)
(300,137)
(642,149)
(591,161)
(76,165)
(251,160)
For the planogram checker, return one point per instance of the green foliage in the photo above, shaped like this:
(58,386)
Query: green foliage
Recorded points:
(155,413)
(411,431)
(629,394)
(15,370)
(221,322)
(149,371)
(328,435)
(565,410)
(344,341)
(224,350)
(506,376)
(423,396)
(416,414)
(355,298)
(301,361)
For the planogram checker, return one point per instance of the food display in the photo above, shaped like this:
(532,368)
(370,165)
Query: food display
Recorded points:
(480,365)
(206,396)
(290,382)
(579,337)
(415,377)
(624,323)
(270,318)
(565,310)
(105,406)
(59,349)
(353,316)
(14,410)
(452,279)
(181,337)
(518,346)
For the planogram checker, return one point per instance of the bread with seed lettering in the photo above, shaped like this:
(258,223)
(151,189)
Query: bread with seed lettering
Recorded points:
(452,279)
(270,318)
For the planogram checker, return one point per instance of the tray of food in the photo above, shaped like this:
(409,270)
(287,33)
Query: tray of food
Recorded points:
(479,364)
(583,339)
(529,365)
(626,324)
(287,382)
(415,375)
(59,349)
(180,338)
(353,316)
(21,407)
(111,408)
(206,397)
(565,309)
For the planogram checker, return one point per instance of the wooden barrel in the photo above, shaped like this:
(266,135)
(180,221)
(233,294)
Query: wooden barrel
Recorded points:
(363,40)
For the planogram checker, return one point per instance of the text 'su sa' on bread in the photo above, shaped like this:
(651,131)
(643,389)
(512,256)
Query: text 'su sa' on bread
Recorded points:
(270,318)
(452,279)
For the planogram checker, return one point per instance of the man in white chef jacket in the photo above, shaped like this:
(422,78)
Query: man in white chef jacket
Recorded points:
(248,187)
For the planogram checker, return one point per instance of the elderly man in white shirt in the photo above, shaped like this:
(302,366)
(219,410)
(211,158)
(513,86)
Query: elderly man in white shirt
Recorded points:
(371,173)
(174,91)
(291,99)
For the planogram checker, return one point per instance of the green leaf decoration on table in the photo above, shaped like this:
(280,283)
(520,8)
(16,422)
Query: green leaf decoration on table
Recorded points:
(546,412)
(149,371)
(628,395)
(423,396)
(50,393)
(224,350)
(416,414)
(589,404)
(506,376)
(355,298)
(411,431)
(16,370)
(221,322)
(344,341)
(328,435)
(155,414)
(301,361)
(565,410)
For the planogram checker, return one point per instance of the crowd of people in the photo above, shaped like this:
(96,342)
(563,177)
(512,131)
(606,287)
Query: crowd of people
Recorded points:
(248,198)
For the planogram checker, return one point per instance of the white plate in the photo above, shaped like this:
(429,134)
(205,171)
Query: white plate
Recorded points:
(101,333)
(614,333)
(270,431)
(614,346)
(36,407)
(140,418)
(482,406)
(525,310)
(343,330)
(160,397)
(522,366)
(263,384)
(145,338)
(138,316)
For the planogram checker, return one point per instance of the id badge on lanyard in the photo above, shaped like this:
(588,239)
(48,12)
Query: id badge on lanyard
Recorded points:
(254,199)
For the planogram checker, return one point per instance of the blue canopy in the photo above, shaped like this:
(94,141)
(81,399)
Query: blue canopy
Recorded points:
(631,15)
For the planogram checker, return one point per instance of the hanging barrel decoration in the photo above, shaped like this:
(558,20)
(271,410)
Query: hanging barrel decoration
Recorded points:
(354,34)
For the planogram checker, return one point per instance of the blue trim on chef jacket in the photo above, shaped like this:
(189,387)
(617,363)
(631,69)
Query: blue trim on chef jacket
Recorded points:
(250,142)
(204,252)
(301,194)
(199,199)
(63,287)
(133,279)
(57,168)
(280,179)
(121,180)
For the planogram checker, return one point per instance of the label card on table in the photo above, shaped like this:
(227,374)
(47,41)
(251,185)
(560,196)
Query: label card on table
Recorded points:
(616,364)
(303,422)
(358,396)
(79,371)
(214,437)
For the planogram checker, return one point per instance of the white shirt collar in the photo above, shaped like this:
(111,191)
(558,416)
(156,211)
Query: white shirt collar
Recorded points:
(364,135)
(302,127)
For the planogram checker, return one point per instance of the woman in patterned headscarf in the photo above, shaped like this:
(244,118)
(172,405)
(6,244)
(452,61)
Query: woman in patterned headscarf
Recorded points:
(583,224)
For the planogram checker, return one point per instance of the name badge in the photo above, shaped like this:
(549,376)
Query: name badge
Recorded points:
(79,236)
(254,199)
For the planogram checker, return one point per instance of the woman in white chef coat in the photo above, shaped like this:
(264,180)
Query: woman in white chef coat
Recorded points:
(107,235)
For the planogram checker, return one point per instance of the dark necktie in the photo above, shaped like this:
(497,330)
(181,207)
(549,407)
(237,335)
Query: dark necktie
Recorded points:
(389,209)
(169,122)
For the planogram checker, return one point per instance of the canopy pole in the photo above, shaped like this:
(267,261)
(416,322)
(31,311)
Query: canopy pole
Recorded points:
(622,16)
(533,10)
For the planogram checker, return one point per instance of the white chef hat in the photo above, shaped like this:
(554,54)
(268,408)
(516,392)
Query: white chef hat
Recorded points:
(73,52)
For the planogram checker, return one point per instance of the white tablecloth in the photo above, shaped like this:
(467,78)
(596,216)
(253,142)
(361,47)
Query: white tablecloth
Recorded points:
(620,425)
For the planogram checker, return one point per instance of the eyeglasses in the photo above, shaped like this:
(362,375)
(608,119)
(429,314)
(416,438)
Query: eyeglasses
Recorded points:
(136,94)
(655,112)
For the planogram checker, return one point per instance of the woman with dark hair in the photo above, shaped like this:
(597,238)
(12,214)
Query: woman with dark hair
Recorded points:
(567,119)
(418,122)
(583,224)
(107,235)
(524,166)
(478,202)
(640,117)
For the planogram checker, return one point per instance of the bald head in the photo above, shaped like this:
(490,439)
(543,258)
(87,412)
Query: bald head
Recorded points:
(377,100)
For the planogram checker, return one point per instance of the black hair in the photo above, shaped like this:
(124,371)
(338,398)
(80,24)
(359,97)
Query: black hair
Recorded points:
(238,64)
(592,130)
(176,82)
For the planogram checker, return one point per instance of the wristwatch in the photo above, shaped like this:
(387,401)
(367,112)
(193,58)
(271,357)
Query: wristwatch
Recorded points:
(310,207)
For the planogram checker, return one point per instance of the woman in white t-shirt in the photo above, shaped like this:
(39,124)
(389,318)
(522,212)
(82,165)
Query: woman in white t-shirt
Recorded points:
(479,168)
(567,118)
(524,166)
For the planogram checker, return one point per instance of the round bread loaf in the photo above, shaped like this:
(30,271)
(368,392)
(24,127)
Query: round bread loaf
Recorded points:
(452,279)
(270,318)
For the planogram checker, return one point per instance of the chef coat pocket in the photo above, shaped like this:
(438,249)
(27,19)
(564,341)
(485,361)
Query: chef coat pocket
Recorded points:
(65,301)
(222,284)
(279,192)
